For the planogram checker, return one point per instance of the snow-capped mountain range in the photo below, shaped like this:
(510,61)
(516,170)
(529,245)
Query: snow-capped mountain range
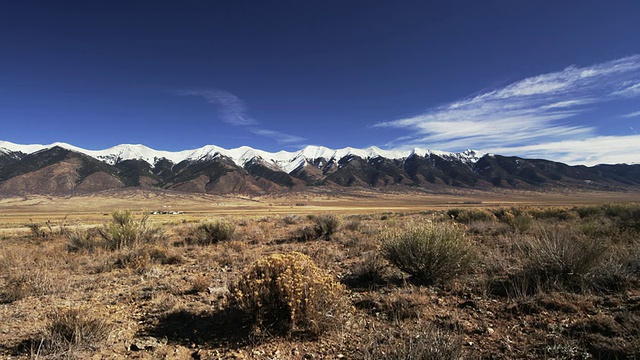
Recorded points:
(64,169)
(286,161)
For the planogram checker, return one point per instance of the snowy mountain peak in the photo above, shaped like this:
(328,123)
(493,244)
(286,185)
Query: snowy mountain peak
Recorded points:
(283,160)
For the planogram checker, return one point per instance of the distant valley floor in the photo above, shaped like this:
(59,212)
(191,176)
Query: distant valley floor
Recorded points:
(16,212)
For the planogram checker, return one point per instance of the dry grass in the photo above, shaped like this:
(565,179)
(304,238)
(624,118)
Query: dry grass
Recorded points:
(428,343)
(572,276)
(73,329)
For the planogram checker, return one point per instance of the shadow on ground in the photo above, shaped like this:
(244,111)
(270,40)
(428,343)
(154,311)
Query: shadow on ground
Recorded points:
(225,328)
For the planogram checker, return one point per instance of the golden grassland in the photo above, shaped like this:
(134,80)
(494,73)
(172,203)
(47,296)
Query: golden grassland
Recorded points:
(95,208)
(534,275)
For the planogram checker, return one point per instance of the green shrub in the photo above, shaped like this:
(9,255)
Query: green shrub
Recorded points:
(589,211)
(600,228)
(123,231)
(289,294)
(212,233)
(628,217)
(618,210)
(519,220)
(431,252)
(326,226)
(469,215)
(552,213)
(84,239)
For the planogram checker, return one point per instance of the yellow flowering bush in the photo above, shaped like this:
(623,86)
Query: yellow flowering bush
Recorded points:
(289,294)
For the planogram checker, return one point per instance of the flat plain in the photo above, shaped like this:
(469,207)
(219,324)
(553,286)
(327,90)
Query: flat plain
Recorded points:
(95,208)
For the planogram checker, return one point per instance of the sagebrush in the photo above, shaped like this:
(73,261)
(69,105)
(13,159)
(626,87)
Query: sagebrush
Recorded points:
(212,233)
(431,252)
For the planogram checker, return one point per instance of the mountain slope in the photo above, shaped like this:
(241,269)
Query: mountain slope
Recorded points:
(63,169)
(57,171)
(8,157)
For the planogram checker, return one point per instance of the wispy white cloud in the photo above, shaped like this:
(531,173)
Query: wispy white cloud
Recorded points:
(279,137)
(233,111)
(537,111)
(590,151)
(629,90)
(632,115)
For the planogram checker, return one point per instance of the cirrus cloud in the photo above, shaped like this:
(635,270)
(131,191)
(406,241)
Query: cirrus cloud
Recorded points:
(233,111)
(543,112)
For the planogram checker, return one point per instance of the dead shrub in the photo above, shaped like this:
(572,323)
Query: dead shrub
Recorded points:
(619,272)
(134,259)
(199,283)
(16,288)
(353,225)
(289,294)
(142,257)
(164,255)
(559,257)
(394,308)
(555,259)
(292,219)
(23,284)
(73,329)
(36,230)
(237,246)
(370,270)
(307,233)
(431,252)
(360,243)
(490,228)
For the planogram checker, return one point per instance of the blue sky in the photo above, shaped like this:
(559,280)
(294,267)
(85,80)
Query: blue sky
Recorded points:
(558,80)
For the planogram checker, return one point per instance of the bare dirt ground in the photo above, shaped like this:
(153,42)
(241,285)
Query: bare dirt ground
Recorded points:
(168,298)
